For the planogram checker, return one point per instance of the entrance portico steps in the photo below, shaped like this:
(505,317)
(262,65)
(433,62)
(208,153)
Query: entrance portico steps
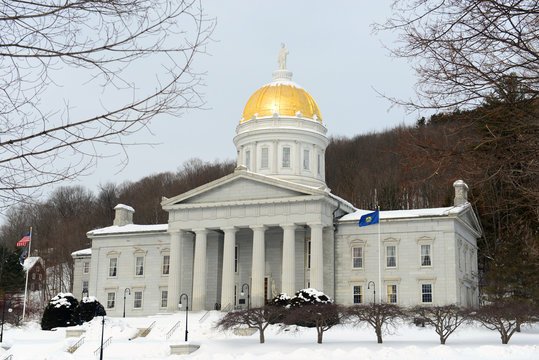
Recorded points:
(143,332)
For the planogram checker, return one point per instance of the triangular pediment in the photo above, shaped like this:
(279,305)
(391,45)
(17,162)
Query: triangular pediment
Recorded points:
(242,186)
(471,221)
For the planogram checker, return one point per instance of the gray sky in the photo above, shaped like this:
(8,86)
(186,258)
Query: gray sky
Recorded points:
(333,55)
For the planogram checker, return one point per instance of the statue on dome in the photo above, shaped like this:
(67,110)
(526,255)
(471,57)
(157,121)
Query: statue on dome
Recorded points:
(282,57)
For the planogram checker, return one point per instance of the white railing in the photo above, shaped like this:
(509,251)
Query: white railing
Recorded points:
(171,331)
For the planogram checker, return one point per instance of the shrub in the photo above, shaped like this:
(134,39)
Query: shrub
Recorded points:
(87,309)
(59,312)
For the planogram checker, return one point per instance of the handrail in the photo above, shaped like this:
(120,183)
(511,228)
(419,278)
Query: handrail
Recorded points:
(77,345)
(9,357)
(171,331)
(105,344)
(147,330)
(203,318)
(227,308)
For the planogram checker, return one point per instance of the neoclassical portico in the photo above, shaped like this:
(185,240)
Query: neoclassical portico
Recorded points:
(237,222)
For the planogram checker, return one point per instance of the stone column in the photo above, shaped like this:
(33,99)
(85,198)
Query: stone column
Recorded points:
(317,257)
(258,266)
(174,280)
(227,283)
(199,270)
(288,275)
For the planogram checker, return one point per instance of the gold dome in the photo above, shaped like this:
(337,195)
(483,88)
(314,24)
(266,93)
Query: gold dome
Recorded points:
(284,97)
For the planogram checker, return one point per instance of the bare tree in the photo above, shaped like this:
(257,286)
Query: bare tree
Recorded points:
(380,316)
(112,44)
(461,49)
(445,319)
(504,317)
(322,316)
(256,318)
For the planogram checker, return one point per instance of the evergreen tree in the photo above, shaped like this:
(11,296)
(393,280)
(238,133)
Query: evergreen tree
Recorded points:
(11,271)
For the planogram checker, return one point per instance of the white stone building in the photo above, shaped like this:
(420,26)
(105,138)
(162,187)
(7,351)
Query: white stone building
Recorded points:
(273,226)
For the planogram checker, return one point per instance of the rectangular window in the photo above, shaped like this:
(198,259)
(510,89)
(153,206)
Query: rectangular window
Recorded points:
(286,157)
(426,293)
(306,164)
(391,256)
(236,258)
(164,298)
(248,159)
(33,276)
(86,267)
(264,158)
(357,257)
(318,164)
(113,266)
(392,294)
(425,255)
(308,254)
(139,265)
(166,265)
(111,300)
(137,300)
(358,295)
(85,286)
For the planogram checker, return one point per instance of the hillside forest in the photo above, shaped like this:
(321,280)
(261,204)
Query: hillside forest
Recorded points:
(494,148)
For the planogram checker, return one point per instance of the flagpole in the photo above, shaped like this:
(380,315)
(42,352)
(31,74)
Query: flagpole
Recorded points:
(379,258)
(27,271)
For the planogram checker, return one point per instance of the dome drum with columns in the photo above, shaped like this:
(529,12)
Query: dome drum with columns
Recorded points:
(274,225)
(281,133)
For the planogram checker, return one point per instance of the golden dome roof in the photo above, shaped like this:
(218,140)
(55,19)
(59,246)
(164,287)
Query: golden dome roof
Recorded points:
(284,97)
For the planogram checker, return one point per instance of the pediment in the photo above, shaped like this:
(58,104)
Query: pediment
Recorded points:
(241,186)
(469,218)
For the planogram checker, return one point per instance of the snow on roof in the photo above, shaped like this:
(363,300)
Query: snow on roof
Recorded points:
(83,252)
(129,228)
(406,214)
(126,207)
(30,262)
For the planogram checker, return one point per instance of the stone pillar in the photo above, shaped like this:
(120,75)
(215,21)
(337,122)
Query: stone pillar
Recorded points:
(199,270)
(227,283)
(317,257)
(288,275)
(461,193)
(174,279)
(258,266)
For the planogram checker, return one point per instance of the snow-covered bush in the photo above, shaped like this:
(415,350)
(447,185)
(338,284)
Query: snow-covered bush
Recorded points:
(59,311)
(87,309)
(310,296)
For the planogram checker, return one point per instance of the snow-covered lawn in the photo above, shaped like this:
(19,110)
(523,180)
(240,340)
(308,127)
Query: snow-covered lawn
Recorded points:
(341,342)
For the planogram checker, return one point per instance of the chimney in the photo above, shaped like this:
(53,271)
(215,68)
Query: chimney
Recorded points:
(123,215)
(461,193)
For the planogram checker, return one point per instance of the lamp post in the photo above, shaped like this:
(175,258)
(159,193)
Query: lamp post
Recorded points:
(7,303)
(248,295)
(128,290)
(186,311)
(374,289)
(102,334)
(100,311)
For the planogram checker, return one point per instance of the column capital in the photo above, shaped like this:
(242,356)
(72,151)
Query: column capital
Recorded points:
(288,226)
(229,229)
(258,227)
(201,231)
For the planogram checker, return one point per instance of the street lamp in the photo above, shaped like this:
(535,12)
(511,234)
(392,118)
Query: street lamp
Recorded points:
(374,289)
(248,295)
(100,311)
(186,311)
(128,290)
(7,303)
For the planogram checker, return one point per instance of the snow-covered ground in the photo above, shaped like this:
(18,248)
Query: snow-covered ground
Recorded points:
(408,342)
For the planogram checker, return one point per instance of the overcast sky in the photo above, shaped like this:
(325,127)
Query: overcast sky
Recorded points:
(333,55)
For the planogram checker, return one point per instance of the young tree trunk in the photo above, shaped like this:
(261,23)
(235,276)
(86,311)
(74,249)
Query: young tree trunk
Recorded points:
(379,334)
(320,335)
(261,333)
(442,340)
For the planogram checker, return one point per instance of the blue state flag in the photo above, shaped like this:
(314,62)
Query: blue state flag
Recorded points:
(370,218)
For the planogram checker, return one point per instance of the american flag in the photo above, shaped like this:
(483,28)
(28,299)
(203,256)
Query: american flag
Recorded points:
(25,240)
